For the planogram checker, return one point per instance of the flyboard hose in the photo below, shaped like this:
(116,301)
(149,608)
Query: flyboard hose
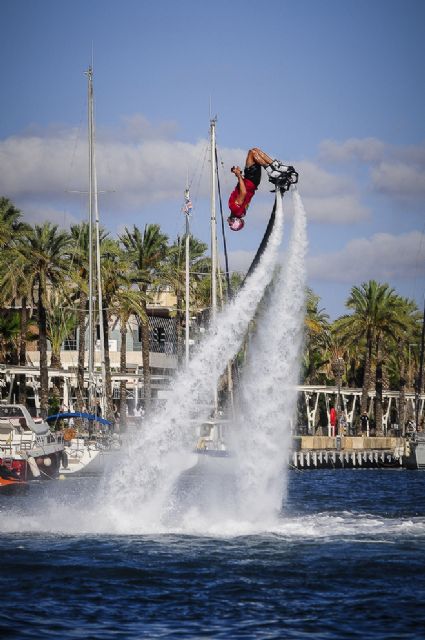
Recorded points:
(283,182)
(263,243)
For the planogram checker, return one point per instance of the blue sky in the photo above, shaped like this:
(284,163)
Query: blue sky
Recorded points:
(336,87)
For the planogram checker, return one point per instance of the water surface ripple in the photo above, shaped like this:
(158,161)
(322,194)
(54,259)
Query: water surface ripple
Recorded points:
(345,560)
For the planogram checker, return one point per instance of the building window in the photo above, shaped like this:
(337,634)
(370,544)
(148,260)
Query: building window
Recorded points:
(70,344)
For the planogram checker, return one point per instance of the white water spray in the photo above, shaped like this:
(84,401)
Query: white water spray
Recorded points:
(141,489)
(269,386)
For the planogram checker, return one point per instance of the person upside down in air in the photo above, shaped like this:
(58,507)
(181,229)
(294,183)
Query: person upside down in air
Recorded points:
(248,183)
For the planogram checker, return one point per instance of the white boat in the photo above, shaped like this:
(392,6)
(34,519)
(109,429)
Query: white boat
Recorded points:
(212,438)
(85,457)
(414,457)
(27,446)
(88,448)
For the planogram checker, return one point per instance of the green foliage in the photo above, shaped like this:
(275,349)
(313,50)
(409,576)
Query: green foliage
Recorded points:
(47,268)
(10,327)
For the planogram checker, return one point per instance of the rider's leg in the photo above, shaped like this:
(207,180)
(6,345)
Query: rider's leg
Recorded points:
(260,157)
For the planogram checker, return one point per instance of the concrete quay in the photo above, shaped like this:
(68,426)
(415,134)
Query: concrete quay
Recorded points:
(324,452)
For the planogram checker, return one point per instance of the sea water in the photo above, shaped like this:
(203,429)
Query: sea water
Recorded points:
(345,559)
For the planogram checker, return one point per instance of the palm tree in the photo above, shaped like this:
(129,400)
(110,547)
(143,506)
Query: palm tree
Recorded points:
(114,268)
(396,321)
(364,301)
(376,315)
(40,253)
(316,339)
(14,286)
(80,266)
(9,336)
(13,282)
(405,332)
(146,252)
(61,321)
(9,222)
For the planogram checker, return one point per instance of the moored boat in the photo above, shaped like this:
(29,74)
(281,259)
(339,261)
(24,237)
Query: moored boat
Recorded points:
(414,457)
(27,447)
(212,438)
(87,450)
(10,481)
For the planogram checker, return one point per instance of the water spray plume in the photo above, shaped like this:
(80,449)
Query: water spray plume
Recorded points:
(143,485)
(269,382)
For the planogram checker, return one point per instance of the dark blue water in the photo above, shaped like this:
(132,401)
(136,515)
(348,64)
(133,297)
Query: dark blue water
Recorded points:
(345,560)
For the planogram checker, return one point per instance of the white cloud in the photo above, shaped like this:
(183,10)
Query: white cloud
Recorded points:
(315,180)
(328,197)
(138,172)
(35,215)
(398,172)
(367,150)
(138,128)
(140,164)
(382,257)
(337,209)
(399,179)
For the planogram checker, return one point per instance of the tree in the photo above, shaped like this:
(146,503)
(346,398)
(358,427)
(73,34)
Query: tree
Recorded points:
(316,339)
(61,321)
(9,336)
(9,222)
(13,281)
(397,352)
(80,263)
(376,315)
(114,274)
(80,240)
(40,252)
(146,253)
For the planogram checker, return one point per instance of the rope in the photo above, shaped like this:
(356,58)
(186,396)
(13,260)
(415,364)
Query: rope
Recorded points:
(226,259)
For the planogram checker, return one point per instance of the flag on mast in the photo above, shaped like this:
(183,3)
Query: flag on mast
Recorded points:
(187,207)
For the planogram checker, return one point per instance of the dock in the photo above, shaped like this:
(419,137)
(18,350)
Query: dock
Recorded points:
(324,452)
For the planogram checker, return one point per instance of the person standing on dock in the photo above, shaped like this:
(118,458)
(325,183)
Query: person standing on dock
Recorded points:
(364,421)
(333,420)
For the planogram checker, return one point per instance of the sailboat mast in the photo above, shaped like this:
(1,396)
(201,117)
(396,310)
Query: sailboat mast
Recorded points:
(93,217)
(187,289)
(213,225)
(213,243)
(91,173)
(99,279)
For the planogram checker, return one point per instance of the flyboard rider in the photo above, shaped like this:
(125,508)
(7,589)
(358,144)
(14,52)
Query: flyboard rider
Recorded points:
(248,183)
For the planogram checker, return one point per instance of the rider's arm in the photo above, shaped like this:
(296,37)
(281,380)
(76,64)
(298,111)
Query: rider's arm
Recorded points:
(242,190)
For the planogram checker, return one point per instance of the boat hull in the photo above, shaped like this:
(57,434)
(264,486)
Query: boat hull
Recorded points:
(34,465)
(83,459)
(416,455)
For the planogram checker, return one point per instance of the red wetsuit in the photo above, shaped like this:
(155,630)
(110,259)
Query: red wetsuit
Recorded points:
(239,210)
